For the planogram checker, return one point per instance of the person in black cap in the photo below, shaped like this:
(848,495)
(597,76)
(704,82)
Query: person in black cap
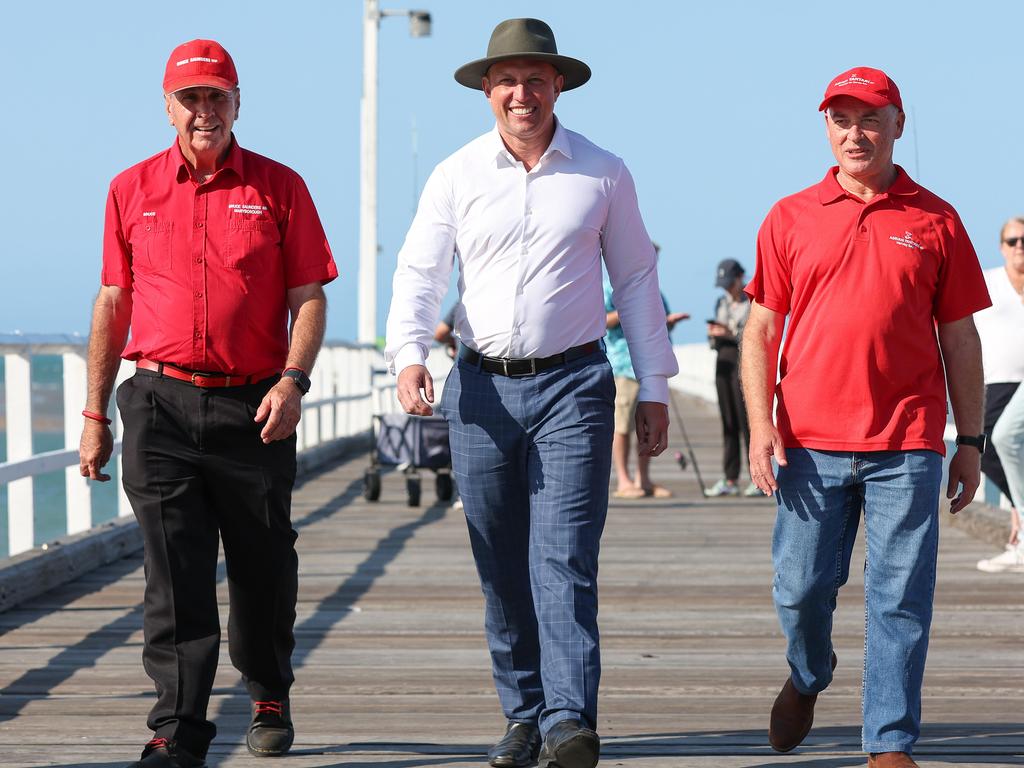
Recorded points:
(530,210)
(724,330)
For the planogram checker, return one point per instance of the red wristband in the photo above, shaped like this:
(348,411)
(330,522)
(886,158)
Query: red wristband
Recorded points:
(96,417)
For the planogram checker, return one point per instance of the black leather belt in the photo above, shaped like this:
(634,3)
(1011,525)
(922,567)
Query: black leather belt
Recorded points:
(507,366)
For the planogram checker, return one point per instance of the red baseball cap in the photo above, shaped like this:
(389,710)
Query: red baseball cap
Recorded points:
(200,62)
(871,86)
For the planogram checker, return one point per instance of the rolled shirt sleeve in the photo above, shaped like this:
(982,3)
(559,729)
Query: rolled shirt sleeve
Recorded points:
(633,271)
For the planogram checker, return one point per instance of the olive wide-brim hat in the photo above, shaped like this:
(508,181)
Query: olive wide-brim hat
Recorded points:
(523,39)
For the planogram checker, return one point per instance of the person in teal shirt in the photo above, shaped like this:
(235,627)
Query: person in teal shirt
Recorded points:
(626,390)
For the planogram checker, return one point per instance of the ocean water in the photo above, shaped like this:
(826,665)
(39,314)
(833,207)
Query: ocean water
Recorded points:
(48,494)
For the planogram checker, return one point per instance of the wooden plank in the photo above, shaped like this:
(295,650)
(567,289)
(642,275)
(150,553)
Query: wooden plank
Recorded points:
(392,669)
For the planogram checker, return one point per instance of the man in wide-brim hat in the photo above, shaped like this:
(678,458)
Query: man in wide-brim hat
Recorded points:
(530,209)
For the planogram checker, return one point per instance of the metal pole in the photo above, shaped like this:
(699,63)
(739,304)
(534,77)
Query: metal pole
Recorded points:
(367,299)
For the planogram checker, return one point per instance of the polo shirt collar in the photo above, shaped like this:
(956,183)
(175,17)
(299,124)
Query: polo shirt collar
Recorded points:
(830,190)
(234,161)
(560,142)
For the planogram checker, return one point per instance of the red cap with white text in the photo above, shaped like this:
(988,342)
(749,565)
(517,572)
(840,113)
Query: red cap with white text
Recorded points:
(200,63)
(872,86)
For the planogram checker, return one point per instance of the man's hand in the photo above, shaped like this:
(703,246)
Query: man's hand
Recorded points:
(410,381)
(651,428)
(283,405)
(765,444)
(965,470)
(94,450)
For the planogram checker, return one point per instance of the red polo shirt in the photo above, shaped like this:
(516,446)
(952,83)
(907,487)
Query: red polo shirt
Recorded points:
(863,285)
(209,265)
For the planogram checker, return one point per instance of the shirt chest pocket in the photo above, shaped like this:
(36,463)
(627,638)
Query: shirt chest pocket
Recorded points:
(151,247)
(251,244)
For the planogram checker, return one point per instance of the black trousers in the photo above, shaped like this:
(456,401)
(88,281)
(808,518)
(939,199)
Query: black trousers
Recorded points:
(731,409)
(996,398)
(196,472)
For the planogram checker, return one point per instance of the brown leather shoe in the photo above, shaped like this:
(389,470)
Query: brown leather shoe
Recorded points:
(792,716)
(891,760)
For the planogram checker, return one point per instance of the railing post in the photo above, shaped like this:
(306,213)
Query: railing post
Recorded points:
(310,421)
(18,401)
(339,365)
(79,501)
(325,377)
(353,385)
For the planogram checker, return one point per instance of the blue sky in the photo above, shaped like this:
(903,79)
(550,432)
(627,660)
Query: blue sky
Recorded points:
(711,105)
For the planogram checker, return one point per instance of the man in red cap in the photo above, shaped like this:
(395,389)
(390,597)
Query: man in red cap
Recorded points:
(879,281)
(208,250)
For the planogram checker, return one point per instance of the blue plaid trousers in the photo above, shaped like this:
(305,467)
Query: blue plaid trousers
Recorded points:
(531,457)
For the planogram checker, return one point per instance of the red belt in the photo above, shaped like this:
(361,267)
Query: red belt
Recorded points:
(200,378)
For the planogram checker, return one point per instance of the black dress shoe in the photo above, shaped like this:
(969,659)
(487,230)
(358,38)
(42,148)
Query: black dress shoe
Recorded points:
(570,745)
(270,733)
(518,748)
(164,753)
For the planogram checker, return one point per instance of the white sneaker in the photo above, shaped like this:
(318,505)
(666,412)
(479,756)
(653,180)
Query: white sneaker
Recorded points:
(1010,561)
(723,488)
(752,490)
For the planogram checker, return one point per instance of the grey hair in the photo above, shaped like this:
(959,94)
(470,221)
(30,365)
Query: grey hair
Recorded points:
(1012,220)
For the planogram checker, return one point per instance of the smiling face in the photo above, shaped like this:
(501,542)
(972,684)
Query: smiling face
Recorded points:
(203,118)
(862,138)
(522,93)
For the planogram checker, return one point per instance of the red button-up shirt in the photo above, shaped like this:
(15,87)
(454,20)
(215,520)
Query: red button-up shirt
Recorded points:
(209,265)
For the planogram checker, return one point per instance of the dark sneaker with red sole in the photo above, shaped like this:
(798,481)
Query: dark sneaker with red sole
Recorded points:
(270,733)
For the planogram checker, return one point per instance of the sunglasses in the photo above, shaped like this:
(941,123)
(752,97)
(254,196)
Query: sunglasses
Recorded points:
(1013,242)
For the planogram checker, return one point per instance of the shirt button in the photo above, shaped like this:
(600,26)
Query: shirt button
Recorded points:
(199,294)
(199,260)
(200,225)
(199,335)
(148,229)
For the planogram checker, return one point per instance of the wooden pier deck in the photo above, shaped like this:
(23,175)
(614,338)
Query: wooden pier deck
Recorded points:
(392,670)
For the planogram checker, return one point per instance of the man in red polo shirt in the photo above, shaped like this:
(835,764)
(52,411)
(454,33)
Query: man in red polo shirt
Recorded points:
(207,250)
(879,281)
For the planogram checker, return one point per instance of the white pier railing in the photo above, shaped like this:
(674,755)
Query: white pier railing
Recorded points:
(337,406)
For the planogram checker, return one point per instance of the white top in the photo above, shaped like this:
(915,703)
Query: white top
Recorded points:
(529,246)
(1001,328)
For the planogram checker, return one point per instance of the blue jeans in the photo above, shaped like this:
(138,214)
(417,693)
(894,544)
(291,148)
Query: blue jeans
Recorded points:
(532,457)
(820,497)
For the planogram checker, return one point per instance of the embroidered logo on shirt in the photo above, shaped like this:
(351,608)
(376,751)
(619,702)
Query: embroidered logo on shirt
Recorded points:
(251,209)
(149,213)
(907,240)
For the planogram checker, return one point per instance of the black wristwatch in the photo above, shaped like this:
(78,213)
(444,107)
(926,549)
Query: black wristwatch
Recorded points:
(299,377)
(978,441)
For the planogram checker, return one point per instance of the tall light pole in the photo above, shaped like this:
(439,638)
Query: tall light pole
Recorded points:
(419,26)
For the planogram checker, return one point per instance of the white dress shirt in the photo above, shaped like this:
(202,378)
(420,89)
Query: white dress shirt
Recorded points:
(529,246)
